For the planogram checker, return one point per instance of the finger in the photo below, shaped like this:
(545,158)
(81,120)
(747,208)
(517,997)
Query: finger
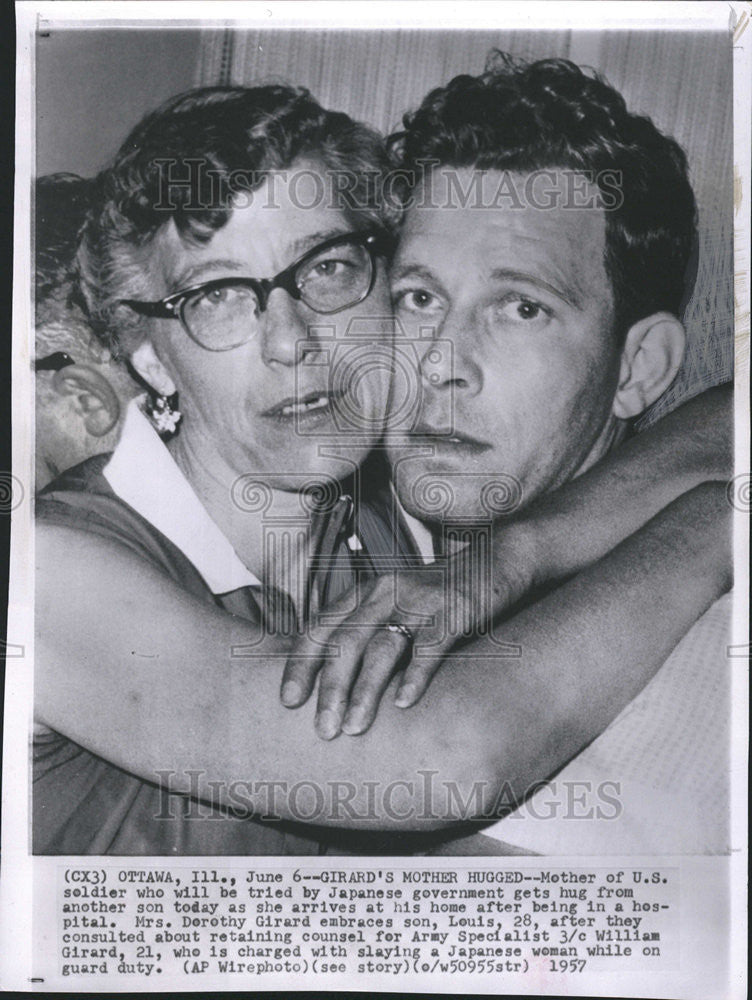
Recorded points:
(457,620)
(336,681)
(303,664)
(382,657)
(418,675)
(316,647)
(308,655)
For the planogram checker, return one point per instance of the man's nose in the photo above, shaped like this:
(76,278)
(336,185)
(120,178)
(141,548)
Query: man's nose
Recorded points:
(450,360)
(283,326)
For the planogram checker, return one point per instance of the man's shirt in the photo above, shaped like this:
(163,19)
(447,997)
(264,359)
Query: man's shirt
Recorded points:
(656,781)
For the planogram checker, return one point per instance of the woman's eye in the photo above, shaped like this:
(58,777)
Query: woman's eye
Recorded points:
(416,300)
(226,298)
(328,268)
(227,295)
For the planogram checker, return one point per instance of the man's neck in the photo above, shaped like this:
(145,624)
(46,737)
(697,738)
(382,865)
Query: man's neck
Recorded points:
(611,436)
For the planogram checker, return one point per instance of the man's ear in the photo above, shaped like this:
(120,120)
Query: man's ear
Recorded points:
(650,359)
(144,360)
(95,400)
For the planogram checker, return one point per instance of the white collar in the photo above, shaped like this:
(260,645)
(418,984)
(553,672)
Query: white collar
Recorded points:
(421,534)
(144,474)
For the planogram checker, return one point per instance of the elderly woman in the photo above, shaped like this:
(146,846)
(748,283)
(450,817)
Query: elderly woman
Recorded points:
(235,258)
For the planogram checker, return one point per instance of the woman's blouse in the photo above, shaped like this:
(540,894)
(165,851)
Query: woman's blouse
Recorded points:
(82,804)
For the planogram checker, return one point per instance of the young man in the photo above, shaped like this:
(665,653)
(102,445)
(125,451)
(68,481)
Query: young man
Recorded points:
(539,274)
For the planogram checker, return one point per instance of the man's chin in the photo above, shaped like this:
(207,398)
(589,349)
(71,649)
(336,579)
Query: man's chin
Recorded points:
(445,493)
(440,497)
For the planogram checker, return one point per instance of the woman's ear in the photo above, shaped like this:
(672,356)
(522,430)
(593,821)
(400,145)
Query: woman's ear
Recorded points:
(144,360)
(650,359)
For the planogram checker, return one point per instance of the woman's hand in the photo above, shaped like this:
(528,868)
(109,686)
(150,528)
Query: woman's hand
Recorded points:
(185,705)
(442,604)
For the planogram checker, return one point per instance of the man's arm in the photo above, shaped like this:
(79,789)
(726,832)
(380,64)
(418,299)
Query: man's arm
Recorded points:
(136,670)
(559,534)
(570,528)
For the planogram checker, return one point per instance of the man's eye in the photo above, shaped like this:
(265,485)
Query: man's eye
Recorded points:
(519,310)
(416,300)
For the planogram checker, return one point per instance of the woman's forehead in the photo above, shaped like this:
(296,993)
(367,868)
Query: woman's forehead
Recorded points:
(260,238)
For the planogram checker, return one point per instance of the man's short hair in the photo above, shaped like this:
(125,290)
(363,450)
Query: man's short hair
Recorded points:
(190,158)
(549,114)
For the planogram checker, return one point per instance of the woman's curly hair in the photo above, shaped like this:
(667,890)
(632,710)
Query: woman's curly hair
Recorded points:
(189,160)
(525,117)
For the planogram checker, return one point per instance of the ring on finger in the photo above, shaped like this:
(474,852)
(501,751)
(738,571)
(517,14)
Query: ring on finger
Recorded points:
(400,629)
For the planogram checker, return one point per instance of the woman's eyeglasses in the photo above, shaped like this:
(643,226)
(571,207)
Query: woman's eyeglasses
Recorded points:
(222,314)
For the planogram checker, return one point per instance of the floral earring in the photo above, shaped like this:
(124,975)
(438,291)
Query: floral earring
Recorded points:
(163,413)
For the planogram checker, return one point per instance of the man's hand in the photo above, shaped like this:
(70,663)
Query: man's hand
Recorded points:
(442,604)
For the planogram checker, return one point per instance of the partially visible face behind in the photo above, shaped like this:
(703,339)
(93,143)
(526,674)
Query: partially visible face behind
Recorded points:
(242,408)
(78,409)
(523,298)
